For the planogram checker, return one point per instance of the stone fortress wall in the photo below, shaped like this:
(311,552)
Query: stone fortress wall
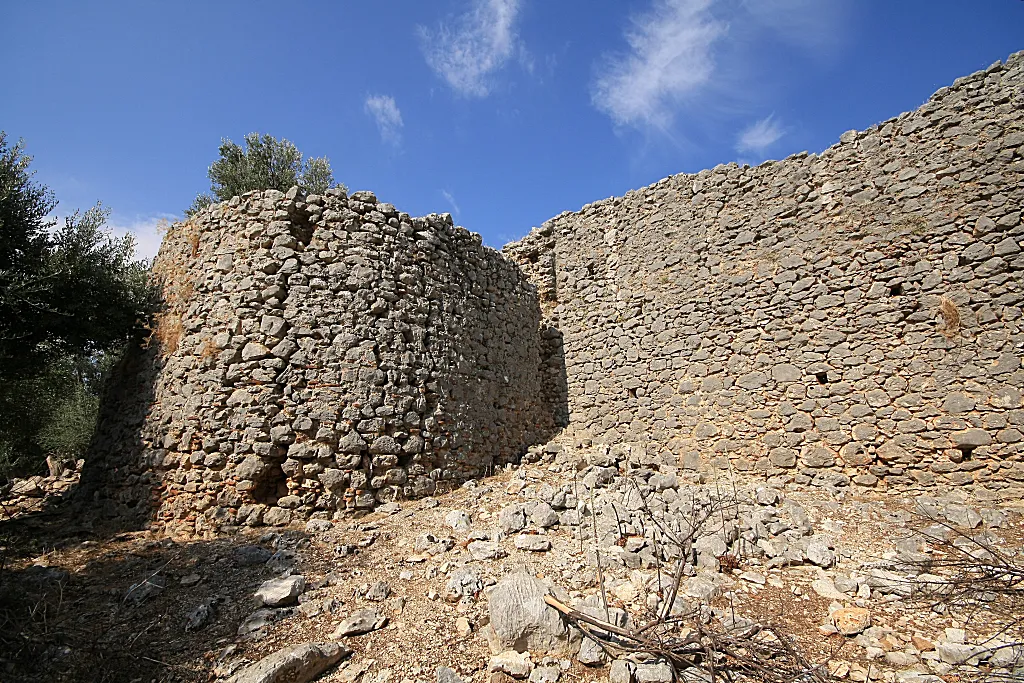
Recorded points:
(853,316)
(848,317)
(320,353)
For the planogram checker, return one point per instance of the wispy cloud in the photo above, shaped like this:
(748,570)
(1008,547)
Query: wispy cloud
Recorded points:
(451,200)
(468,50)
(810,24)
(670,57)
(385,113)
(709,57)
(759,136)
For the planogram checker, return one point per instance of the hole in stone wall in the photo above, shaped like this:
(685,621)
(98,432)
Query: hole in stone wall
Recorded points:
(270,486)
(965,452)
(896,289)
(631,392)
(822,377)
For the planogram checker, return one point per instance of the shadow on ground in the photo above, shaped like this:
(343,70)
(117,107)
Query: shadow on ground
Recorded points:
(104,606)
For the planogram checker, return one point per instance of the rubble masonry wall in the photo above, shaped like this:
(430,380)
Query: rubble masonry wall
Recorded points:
(317,354)
(853,316)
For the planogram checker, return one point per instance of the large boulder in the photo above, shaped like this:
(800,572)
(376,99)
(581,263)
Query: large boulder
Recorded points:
(521,620)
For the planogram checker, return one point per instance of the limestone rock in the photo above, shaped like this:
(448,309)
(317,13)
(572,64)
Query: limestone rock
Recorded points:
(294,664)
(522,621)
(533,543)
(359,622)
(513,663)
(281,592)
(851,620)
(458,520)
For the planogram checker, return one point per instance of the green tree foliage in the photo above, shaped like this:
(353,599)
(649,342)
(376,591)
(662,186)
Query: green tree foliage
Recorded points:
(264,163)
(70,295)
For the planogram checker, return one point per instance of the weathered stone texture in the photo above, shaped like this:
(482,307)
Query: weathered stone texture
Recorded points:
(320,353)
(849,315)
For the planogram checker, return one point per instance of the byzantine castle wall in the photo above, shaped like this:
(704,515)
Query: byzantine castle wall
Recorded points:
(320,353)
(848,318)
(853,316)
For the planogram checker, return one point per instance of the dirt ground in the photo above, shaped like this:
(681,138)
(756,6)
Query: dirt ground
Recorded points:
(81,603)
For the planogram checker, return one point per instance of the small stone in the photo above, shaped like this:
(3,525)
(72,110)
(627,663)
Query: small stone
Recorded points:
(254,351)
(621,671)
(839,669)
(520,618)
(190,580)
(865,480)
(378,592)
(358,623)
(458,520)
(702,589)
(262,618)
(446,675)
(281,592)
(766,495)
(545,674)
(955,635)
(851,620)
(818,553)
(922,644)
(660,672)
(200,616)
(544,516)
(897,658)
(827,589)
(754,577)
(956,653)
(463,627)
(515,664)
(512,519)
(144,590)
(485,550)
(316,526)
(533,543)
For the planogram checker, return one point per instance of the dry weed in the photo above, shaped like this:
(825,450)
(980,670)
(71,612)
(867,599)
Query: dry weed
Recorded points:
(950,318)
(168,333)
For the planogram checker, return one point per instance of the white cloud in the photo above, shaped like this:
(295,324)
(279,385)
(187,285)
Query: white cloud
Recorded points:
(468,51)
(759,136)
(451,200)
(670,58)
(710,57)
(147,231)
(385,113)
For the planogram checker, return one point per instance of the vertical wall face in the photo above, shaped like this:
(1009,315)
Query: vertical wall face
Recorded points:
(849,316)
(317,354)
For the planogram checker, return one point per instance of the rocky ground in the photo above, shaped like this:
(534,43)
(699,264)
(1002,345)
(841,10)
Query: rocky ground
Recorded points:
(457,581)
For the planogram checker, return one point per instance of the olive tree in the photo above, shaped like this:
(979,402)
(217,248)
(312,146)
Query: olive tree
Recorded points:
(264,163)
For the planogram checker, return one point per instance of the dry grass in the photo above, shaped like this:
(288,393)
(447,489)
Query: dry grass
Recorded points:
(168,333)
(193,242)
(950,318)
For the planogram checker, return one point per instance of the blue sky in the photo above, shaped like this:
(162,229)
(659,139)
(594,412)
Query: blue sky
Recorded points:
(502,112)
